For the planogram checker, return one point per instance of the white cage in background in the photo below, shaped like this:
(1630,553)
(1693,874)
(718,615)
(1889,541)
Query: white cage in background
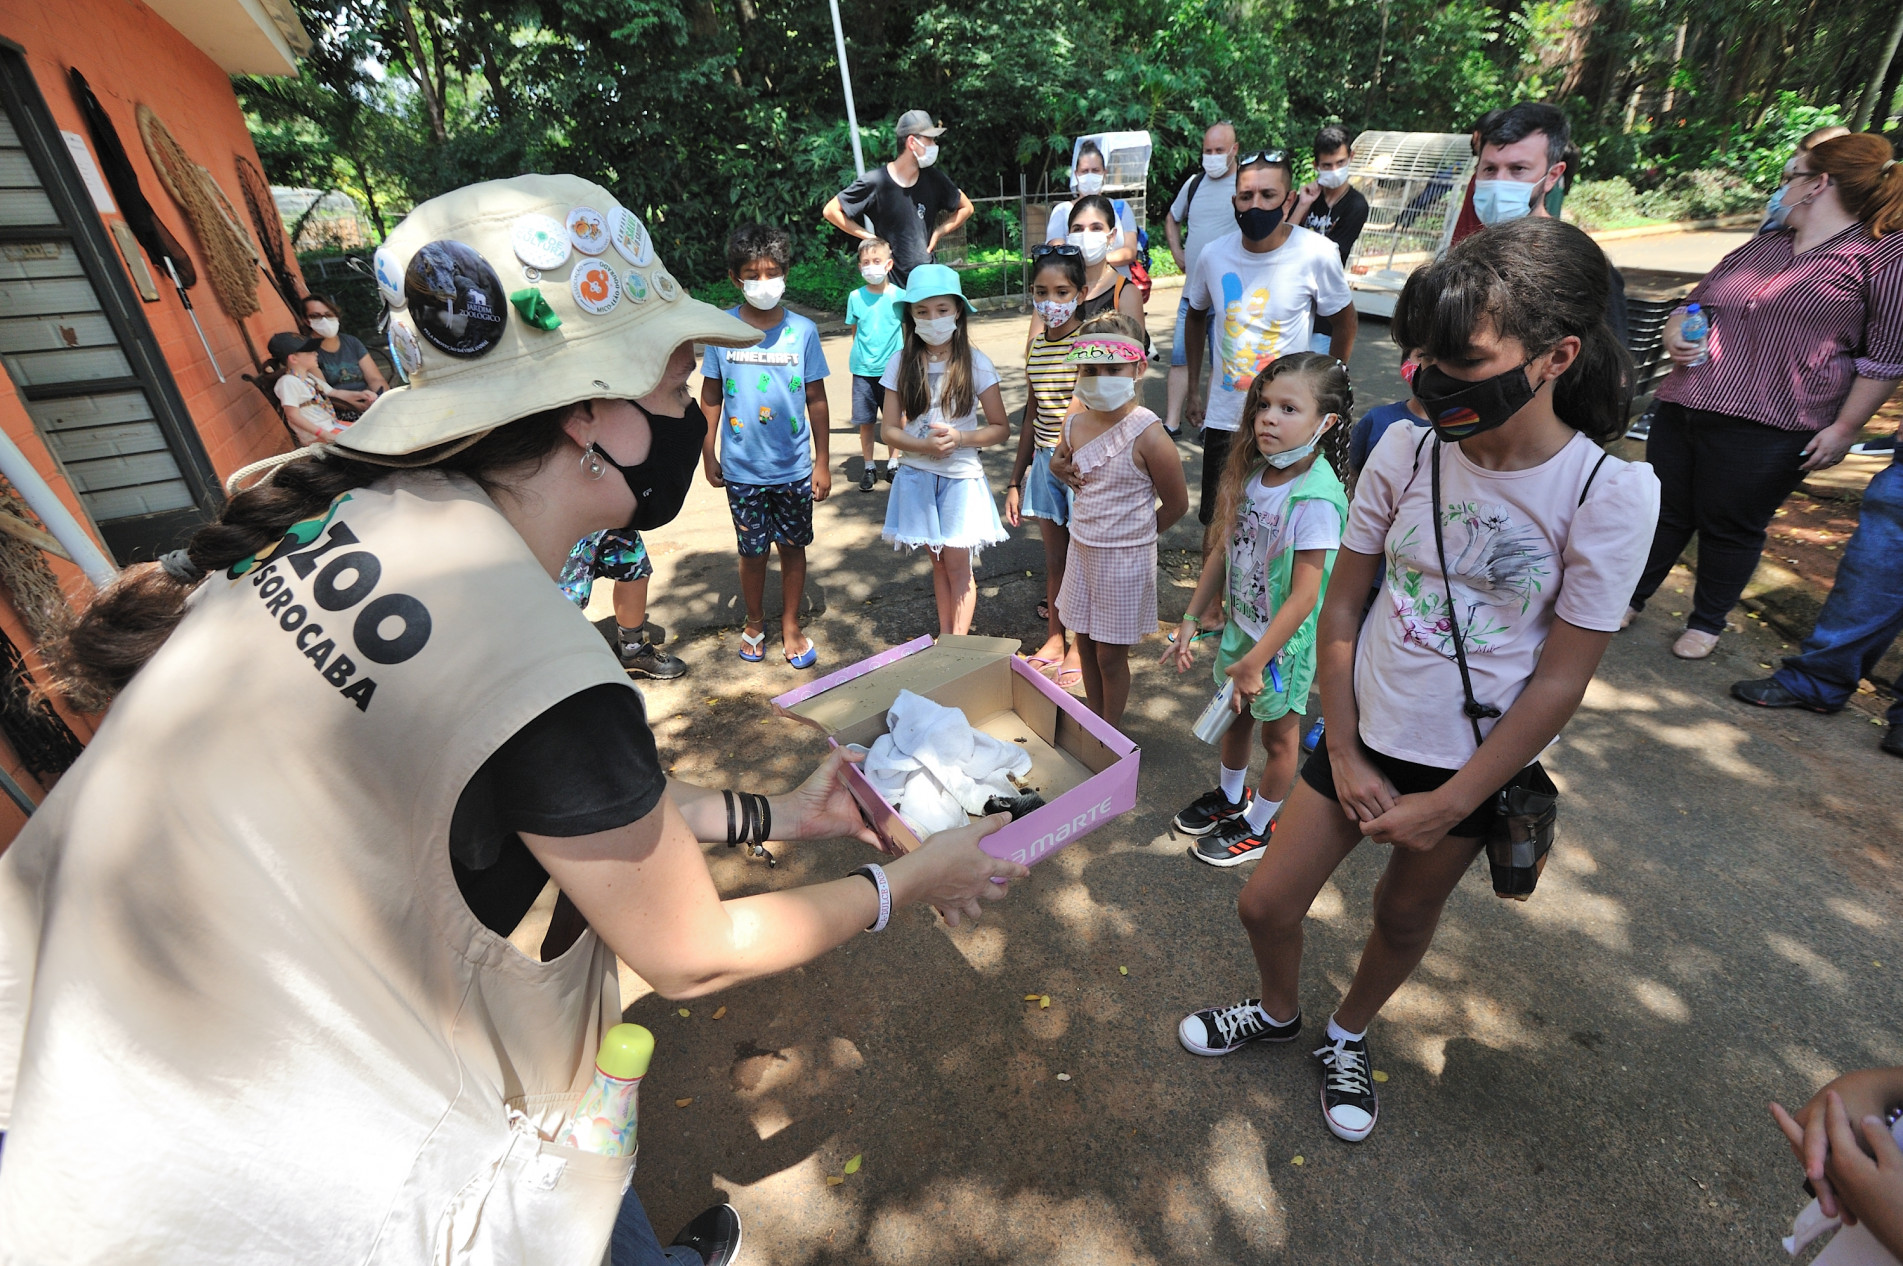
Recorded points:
(1414,183)
(1126,159)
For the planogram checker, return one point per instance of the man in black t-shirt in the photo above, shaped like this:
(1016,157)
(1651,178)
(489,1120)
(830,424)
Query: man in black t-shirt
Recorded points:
(1332,207)
(904,199)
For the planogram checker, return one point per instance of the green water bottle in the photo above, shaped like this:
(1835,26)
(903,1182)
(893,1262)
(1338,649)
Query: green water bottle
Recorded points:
(605,1119)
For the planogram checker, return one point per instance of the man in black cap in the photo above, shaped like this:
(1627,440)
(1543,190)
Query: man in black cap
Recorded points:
(904,199)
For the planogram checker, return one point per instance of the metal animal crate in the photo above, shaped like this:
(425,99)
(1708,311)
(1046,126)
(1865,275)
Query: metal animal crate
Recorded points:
(1414,183)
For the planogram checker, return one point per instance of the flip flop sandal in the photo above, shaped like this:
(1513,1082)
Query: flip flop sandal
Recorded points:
(1075,674)
(1040,663)
(1044,609)
(806,658)
(750,644)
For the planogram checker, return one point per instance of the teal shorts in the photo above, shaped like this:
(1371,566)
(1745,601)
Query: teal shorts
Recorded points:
(1271,704)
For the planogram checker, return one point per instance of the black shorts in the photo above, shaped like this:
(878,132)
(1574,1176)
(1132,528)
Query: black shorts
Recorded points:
(1408,779)
(1215,457)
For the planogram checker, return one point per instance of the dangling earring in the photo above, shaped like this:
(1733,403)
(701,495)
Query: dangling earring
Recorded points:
(591,463)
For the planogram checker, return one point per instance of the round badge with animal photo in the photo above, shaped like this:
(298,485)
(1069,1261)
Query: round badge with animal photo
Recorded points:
(405,351)
(456,299)
(389,276)
(587,230)
(595,287)
(540,241)
(666,287)
(636,287)
(630,237)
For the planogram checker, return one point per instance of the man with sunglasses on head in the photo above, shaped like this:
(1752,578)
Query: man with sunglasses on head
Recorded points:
(1255,293)
(903,199)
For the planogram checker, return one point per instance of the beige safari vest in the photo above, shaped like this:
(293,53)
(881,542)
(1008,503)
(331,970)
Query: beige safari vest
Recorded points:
(245,1015)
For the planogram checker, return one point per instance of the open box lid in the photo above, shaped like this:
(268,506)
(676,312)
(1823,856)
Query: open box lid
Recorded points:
(845,698)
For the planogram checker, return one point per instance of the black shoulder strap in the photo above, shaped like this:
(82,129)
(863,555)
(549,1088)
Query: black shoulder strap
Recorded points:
(1473,707)
(1195,183)
(1589,478)
(1426,435)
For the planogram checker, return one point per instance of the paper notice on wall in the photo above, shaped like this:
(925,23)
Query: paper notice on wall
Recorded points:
(89,172)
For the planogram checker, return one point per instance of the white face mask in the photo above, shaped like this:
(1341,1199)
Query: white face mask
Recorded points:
(1502,201)
(1055,312)
(1094,246)
(1216,166)
(1089,182)
(1332,179)
(874,274)
(324,327)
(1104,392)
(764,295)
(936,331)
(930,155)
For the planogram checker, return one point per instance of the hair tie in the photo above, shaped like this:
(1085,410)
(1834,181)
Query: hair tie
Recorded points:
(1888,165)
(180,567)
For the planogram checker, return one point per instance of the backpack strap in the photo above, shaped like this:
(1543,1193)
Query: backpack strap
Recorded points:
(1474,709)
(1589,478)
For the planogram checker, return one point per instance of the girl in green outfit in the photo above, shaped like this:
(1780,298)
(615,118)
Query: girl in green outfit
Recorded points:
(1281,510)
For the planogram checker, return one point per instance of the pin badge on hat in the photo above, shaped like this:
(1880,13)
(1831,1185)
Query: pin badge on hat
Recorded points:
(456,299)
(595,287)
(630,237)
(389,276)
(636,287)
(666,287)
(404,349)
(540,241)
(587,230)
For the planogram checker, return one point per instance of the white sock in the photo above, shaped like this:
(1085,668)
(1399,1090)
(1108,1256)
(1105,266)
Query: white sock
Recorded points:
(1338,1034)
(1234,782)
(1280,1024)
(1260,810)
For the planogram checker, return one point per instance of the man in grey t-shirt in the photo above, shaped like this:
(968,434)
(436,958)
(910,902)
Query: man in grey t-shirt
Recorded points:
(1201,210)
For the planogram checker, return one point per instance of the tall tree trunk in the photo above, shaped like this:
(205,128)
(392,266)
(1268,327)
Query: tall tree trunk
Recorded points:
(370,197)
(1671,80)
(1869,103)
(420,71)
(1881,116)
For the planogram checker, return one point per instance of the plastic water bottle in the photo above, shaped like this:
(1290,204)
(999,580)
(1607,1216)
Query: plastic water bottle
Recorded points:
(604,1121)
(1694,329)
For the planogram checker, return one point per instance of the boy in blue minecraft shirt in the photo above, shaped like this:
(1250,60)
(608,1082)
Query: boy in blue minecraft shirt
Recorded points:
(766,436)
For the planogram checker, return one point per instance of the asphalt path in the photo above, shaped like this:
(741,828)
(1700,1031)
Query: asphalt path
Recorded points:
(1581,1077)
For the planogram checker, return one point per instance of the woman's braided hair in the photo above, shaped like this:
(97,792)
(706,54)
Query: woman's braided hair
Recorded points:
(127,622)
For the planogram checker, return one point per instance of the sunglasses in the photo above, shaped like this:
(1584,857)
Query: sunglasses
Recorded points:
(1056,248)
(1263,156)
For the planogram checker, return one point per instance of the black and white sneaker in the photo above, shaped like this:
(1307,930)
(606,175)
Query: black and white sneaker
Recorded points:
(1222,1030)
(1882,446)
(1348,1102)
(867,478)
(715,1235)
(1209,811)
(645,659)
(1233,843)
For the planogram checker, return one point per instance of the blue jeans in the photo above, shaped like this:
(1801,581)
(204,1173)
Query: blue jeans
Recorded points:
(1864,612)
(634,1244)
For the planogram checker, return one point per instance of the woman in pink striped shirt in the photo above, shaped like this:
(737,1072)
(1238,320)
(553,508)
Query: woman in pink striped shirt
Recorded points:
(1805,342)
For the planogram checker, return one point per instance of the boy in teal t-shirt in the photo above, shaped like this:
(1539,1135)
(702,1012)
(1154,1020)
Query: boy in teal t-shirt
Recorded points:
(873,313)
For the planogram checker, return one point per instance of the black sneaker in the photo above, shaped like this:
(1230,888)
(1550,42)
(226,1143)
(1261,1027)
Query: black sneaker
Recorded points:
(715,1235)
(888,470)
(1882,446)
(1348,1102)
(1766,692)
(1892,740)
(1221,1030)
(1232,843)
(645,659)
(867,478)
(1209,811)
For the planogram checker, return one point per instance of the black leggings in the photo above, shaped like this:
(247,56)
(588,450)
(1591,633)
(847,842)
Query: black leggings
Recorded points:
(1722,477)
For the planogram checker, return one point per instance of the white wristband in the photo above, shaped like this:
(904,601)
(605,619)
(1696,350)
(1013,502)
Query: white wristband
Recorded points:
(877,875)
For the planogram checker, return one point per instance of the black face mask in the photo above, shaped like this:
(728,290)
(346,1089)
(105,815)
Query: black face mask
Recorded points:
(1258,222)
(660,483)
(1457,408)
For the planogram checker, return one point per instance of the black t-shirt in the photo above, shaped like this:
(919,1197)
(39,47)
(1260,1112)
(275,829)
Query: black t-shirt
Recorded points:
(903,217)
(587,764)
(1342,225)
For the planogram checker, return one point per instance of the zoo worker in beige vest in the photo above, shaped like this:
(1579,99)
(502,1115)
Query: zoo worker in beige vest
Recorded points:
(257,1000)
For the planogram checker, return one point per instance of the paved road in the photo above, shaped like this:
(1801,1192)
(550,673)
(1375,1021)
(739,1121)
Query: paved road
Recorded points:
(1676,252)
(1578,1078)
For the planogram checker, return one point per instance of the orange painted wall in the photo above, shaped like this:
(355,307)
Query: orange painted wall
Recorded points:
(131,56)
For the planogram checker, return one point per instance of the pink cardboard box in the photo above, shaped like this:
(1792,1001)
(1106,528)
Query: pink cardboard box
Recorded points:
(1085,770)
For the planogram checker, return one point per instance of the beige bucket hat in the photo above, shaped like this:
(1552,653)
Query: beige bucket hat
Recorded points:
(515,296)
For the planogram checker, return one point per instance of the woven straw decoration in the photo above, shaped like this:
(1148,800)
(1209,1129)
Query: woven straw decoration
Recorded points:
(231,259)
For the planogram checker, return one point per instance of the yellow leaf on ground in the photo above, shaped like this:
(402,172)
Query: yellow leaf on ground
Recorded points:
(852,1166)
(1379,1075)
(685,1013)
(1044,1003)
(719,1013)
(1032,997)
(682,1103)
(1123,971)
(833,1180)
(1295,1160)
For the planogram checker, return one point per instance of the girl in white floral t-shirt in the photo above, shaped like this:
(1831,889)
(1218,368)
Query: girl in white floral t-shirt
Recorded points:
(1544,535)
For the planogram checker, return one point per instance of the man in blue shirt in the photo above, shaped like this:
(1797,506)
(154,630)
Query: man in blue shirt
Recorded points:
(766,436)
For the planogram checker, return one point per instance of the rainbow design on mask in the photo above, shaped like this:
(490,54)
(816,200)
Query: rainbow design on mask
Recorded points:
(1457,422)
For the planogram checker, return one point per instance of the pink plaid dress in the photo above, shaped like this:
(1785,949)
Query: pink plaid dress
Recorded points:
(1109,592)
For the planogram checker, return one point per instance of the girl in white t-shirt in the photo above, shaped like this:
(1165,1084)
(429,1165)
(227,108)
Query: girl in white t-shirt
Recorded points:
(302,391)
(935,385)
(1544,536)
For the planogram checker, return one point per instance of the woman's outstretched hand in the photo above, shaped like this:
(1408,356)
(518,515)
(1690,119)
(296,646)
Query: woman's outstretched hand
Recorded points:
(955,875)
(822,807)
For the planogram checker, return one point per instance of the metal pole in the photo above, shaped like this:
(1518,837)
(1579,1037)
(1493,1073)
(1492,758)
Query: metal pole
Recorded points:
(53,512)
(845,80)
